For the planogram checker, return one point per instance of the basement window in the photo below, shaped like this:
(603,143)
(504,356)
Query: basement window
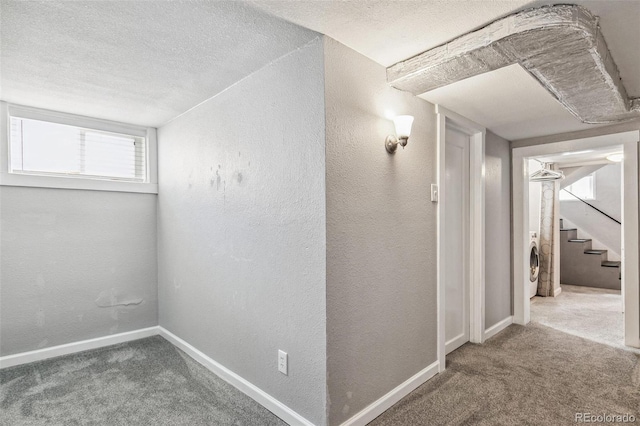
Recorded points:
(55,150)
(583,188)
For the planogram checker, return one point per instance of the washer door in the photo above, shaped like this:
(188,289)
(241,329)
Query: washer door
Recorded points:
(534,262)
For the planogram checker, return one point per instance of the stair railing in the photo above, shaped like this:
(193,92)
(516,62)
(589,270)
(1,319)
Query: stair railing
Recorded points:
(592,206)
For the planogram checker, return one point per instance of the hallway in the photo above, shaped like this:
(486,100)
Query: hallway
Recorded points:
(525,375)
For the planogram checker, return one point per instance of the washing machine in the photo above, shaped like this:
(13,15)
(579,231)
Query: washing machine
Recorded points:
(534,263)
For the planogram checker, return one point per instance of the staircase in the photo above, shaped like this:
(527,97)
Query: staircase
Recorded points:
(580,264)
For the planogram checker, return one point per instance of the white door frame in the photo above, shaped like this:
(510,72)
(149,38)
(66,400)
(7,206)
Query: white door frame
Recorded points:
(630,245)
(476,225)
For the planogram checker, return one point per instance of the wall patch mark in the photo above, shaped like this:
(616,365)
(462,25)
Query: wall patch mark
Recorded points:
(111,298)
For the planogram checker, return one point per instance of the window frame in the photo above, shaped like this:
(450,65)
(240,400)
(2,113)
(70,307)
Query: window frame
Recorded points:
(150,184)
(593,189)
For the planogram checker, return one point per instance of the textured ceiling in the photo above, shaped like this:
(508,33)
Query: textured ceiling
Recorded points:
(389,31)
(145,62)
(508,102)
(138,62)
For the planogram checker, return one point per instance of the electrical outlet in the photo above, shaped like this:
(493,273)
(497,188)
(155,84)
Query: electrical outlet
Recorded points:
(282,362)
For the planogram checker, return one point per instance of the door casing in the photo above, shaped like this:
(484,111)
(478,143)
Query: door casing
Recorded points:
(457,234)
(476,240)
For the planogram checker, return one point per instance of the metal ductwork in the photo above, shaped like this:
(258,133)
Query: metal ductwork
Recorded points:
(561,46)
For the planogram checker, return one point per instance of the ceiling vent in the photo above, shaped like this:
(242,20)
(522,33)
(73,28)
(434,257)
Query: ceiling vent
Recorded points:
(561,46)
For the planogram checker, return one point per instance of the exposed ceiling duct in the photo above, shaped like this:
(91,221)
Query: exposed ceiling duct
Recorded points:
(561,46)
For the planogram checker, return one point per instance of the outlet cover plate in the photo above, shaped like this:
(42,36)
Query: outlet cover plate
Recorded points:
(283,362)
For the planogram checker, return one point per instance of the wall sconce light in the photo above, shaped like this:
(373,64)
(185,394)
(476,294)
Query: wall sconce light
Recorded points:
(403,131)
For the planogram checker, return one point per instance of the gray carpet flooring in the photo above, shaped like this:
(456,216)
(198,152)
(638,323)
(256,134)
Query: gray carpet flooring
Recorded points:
(532,375)
(145,382)
(592,313)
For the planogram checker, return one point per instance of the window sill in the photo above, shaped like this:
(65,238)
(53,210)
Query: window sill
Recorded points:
(33,181)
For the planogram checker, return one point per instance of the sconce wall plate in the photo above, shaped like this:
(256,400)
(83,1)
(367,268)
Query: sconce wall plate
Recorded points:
(392,142)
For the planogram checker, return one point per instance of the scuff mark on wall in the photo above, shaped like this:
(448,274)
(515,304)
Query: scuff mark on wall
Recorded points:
(112,297)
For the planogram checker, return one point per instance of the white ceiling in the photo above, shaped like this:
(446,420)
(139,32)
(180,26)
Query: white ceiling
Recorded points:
(581,157)
(508,101)
(146,62)
(139,62)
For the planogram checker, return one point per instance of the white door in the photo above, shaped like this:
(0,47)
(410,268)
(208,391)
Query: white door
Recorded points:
(456,239)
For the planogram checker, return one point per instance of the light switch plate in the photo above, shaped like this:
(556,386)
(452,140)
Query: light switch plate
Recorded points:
(434,193)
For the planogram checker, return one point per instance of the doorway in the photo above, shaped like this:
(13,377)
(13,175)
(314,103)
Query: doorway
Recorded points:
(585,291)
(630,235)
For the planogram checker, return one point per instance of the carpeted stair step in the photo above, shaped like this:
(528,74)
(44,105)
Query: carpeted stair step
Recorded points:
(596,251)
(569,229)
(580,240)
(611,264)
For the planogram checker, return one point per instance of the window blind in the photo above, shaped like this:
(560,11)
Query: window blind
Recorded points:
(48,148)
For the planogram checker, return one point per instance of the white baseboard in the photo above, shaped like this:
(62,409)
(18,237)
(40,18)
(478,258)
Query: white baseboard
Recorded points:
(383,404)
(497,328)
(251,390)
(70,348)
(269,402)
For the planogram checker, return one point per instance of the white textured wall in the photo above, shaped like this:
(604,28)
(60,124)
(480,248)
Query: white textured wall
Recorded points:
(242,229)
(381,235)
(65,257)
(609,200)
(498,286)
